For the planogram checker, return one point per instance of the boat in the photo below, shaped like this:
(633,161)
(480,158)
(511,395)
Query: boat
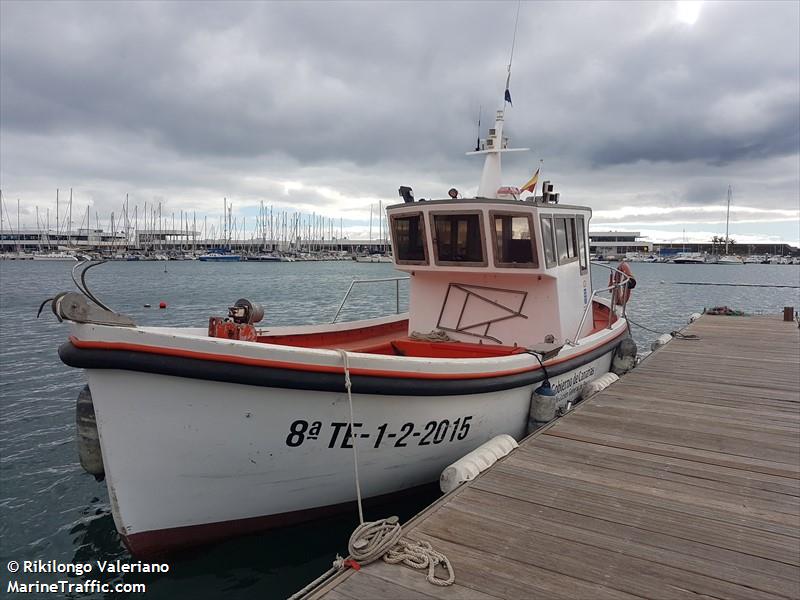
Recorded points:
(729,259)
(219,255)
(264,258)
(56,256)
(210,432)
(689,259)
(374,258)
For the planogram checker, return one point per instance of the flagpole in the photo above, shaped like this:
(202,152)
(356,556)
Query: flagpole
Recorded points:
(541,162)
(507,95)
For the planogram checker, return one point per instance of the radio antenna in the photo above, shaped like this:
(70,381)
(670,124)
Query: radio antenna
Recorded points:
(507,96)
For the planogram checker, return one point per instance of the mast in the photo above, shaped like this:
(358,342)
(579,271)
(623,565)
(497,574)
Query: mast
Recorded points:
(492,147)
(495,144)
(727,219)
(69,222)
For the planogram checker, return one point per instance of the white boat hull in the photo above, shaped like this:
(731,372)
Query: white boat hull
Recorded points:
(190,460)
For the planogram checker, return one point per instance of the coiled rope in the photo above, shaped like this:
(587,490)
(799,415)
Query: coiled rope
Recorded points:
(437,335)
(372,540)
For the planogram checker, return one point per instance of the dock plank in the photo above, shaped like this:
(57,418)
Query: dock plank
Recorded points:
(682,480)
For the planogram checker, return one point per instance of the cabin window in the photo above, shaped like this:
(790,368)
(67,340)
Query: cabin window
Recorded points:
(408,235)
(459,239)
(581,233)
(513,240)
(548,242)
(566,243)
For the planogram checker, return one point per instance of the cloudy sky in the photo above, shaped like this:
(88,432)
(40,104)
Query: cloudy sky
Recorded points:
(644,111)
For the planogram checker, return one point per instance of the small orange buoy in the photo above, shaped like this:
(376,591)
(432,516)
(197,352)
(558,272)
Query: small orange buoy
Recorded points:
(162,304)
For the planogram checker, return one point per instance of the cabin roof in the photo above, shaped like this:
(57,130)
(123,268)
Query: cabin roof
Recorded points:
(487,202)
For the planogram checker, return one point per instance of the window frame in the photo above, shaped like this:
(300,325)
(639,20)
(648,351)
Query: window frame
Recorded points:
(569,259)
(548,263)
(534,250)
(421,215)
(584,254)
(435,238)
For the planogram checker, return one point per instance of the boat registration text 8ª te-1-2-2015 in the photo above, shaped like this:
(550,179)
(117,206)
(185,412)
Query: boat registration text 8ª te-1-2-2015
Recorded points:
(434,432)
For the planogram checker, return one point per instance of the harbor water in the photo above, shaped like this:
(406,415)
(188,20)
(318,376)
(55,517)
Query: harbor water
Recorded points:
(51,510)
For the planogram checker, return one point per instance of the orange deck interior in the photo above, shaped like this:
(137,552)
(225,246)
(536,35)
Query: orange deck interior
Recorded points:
(392,339)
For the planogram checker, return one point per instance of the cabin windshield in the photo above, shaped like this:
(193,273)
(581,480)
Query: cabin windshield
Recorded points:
(459,239)
(408,234)
(548,241)
(582,243)
(513,241)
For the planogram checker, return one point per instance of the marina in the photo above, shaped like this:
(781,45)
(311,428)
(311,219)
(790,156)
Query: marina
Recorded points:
(285,314)
(680,480)
(39,392)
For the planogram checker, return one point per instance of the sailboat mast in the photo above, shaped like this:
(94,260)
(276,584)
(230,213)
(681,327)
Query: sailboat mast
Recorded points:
(69,222)
(727,220)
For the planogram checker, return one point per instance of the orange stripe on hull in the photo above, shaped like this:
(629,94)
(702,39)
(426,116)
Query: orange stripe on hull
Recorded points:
(293,366)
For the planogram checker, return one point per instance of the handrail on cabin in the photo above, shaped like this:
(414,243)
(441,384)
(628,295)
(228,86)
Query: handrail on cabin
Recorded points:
(397,281)
(625,278)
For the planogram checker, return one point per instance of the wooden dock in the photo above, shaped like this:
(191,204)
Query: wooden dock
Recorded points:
(682,480)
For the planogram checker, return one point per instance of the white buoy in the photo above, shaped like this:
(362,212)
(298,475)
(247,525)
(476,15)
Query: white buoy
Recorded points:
(598,385)
(661,340)
(694,316)
(469,466)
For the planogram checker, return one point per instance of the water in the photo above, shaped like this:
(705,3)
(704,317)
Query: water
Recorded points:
(51,510)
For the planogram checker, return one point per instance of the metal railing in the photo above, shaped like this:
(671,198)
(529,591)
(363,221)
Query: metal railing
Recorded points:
(397,281)
(623,282)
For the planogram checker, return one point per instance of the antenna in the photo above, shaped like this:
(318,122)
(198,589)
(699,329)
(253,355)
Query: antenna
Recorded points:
(478,141)
(507,95)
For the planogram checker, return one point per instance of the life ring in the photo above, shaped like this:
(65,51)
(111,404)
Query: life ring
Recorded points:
(623,293)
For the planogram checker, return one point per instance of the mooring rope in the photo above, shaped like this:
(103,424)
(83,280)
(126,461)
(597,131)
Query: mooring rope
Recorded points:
(349,387)
(437,335)
(372,540)
(675,334)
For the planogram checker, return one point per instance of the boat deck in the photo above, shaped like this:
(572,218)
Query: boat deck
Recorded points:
(682,481)
(392,339)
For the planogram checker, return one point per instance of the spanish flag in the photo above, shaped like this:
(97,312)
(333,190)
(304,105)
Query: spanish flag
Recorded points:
(531,183)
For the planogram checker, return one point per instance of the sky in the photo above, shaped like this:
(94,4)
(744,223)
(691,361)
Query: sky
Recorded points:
(644,111)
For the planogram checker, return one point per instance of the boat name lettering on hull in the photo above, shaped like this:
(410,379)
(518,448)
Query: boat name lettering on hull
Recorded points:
(341,434)
(578,377)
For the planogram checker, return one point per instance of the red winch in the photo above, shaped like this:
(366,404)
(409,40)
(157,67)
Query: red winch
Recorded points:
(238,325)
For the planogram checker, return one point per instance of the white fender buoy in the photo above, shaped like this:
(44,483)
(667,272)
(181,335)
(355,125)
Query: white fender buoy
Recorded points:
(598,385)
(469,466)
(660,341)
(694,316)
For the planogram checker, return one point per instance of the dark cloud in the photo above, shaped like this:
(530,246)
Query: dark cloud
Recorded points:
(189,99)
